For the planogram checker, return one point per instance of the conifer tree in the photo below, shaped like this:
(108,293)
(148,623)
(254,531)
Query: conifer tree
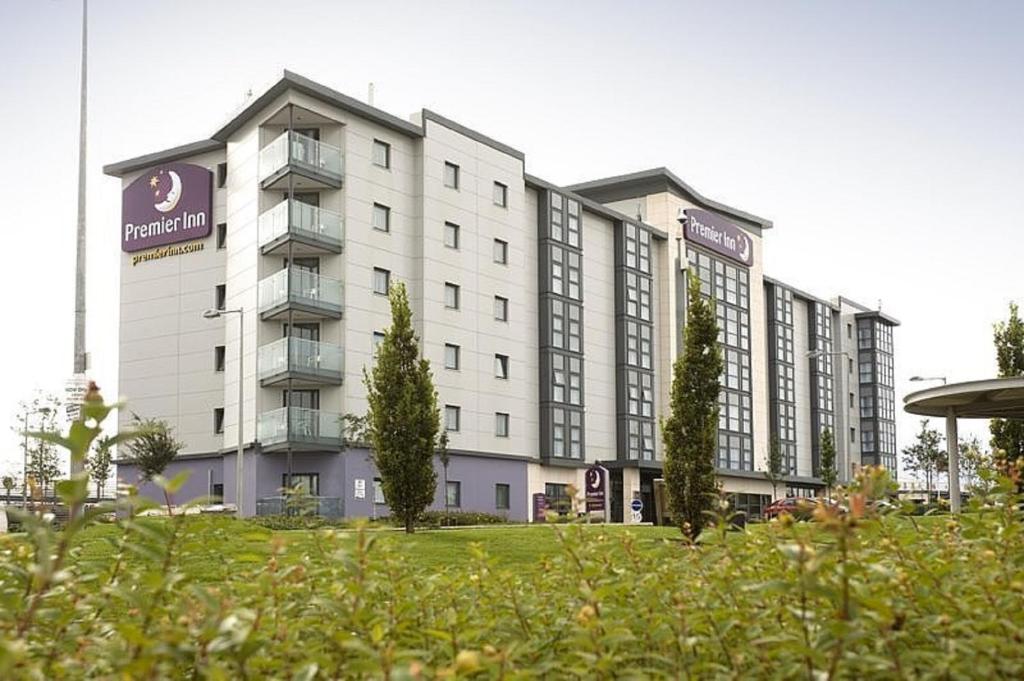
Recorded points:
(1008,434)
(828,460)
(774,473)
(691,430)
(403,418)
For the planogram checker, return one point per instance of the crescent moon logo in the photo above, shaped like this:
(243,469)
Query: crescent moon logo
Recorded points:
(173,196)
(745,250)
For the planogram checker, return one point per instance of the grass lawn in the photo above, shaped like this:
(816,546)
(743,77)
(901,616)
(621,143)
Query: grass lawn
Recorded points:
(216,549)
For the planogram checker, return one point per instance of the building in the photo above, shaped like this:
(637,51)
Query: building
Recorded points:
(551,315)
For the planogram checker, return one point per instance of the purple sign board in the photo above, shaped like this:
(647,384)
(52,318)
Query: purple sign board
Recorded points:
(165,205)
(540,507)
(596,487)
(721,236)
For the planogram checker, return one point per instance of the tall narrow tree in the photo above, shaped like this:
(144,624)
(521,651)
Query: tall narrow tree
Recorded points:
(691,430)
(774,472)
(1008,434)
(403,418)
(828,461)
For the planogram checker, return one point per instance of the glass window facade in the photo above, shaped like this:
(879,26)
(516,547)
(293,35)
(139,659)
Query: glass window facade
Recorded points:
(822,367)
(877,393)
(729,286)
(635,341)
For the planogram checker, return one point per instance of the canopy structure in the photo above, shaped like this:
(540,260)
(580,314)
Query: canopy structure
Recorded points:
(987,399)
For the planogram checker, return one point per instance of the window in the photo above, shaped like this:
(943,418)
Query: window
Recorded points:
(222,175)
(500,424)
(218,358)
(566,379)
(502,496)
(306,483)
(381,281)
(453,494)
(451,418)
(451,296)
(500,195)
(378,491)
(381,154)
(218,420)
(501,308)
(381,217)
(451,175)
(378,338)
(451,235)
(852,401)
(220,296)
(500,252)
(853,435)
(501,366)
(849,368)
(222,235)
(849,331)
(557,496)
(451,356)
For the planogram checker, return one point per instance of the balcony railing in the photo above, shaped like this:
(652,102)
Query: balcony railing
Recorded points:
(302,288)
(302,358)
(310,224)
(298,425)
(305,154)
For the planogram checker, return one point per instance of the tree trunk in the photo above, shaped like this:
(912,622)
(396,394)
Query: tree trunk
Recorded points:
(409,529)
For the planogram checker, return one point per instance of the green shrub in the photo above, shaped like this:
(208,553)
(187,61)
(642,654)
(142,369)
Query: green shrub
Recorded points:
(458,519)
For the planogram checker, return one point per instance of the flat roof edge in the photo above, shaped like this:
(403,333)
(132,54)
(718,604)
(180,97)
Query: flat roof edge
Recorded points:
(594,206)
(429,115)
(799,292)
(122,168)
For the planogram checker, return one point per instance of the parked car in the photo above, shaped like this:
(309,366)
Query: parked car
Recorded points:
(798,507)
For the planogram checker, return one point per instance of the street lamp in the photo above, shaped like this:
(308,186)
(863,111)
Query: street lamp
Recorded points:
(216,314)
(917,379)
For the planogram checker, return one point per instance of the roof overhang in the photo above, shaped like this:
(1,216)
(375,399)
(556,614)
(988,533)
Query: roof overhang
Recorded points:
(991,398)
(656,181)
(122,168)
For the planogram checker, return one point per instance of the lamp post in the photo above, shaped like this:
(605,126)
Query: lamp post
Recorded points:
(216,314)
(918,379)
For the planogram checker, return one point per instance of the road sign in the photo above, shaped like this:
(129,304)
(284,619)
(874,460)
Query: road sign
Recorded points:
(636,506)
(74,394)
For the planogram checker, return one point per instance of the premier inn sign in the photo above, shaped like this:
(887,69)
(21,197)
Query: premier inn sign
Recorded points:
(721,236)
(165,205)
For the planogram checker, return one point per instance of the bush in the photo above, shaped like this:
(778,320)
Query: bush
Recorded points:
(458,519)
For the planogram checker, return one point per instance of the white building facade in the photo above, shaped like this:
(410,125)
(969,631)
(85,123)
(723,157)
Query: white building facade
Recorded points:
(551,315)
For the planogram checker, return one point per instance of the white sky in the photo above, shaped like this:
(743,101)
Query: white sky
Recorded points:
(884,140)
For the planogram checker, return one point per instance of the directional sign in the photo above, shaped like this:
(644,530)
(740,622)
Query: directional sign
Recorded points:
(636,506)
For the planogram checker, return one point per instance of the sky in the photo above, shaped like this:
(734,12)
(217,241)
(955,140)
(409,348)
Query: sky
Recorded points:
(884,140)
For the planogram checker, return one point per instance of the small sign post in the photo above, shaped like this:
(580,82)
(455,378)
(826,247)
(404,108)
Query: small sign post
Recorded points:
(74,394)
(637,507)
(596,491)
(360,488)
(540,507)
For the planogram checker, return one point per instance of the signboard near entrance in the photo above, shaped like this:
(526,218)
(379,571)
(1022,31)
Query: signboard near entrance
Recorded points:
(540,507)
(596,488)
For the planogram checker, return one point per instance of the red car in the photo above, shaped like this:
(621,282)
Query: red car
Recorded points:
(798,507)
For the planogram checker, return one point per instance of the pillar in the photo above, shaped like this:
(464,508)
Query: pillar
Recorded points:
(953,449)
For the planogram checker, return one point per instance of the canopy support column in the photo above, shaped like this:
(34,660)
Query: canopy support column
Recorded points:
(953,449)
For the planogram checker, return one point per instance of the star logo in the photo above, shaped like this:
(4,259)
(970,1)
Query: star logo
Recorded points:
(153,182)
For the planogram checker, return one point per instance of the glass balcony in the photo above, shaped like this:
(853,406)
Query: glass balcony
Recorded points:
(299,426)
(318,163)
(310,227)
(300,359)
(310,295)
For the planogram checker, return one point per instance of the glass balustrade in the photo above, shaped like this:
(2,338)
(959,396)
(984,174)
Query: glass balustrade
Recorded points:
(299,425)
(301,356)
(299,286)
(295,149)
(311,223)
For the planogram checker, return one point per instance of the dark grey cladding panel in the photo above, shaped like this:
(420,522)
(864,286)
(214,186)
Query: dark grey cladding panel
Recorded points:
(122,168)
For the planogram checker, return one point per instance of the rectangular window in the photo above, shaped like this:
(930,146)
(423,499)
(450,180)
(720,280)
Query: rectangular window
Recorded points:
(381,154)
(218,358)
(502,496)
(451,235)
(501,366)
(222,235)
(220,296)
(501,309)
(451,175)
(500,195)
(453,494)
(853,435)
(451,356)
(381,281)
(557,497)
(306,483)
(381,217)
(222,175)
(378,338)
(218,420)
(378,491)
(500,252)
(451,418)
(451,296)
(500,424)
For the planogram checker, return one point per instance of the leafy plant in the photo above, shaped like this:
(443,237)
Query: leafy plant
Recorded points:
(828,461)
(691,430)
(100,464)
(925,455)
(773,471)
(1008,434)
(152,448)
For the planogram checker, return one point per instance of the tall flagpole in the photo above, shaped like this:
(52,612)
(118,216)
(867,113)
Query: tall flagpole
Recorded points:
(80,356)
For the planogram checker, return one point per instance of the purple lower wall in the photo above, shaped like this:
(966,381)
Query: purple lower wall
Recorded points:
(339,473)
